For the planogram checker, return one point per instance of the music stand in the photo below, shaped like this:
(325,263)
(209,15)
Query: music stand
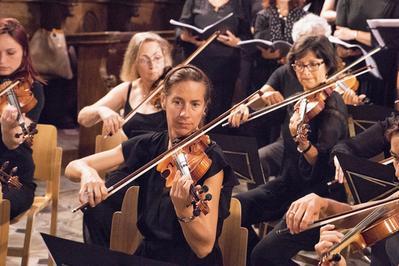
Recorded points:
(367,180)
(364,116)
(68,252)
(242,154)
(386,32)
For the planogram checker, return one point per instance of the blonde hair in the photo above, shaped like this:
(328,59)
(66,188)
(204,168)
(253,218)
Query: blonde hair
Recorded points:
(129,69)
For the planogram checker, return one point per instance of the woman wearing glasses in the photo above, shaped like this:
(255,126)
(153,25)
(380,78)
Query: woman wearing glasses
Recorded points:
(305,165)
(145,60)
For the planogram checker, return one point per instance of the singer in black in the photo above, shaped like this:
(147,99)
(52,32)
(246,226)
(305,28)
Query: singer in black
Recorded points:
(165,217)
(15,64)
(221,59)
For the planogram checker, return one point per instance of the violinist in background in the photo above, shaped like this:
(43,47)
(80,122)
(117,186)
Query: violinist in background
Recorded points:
(165,216)
(305,165)
(15,64)
(146,57)
(311,207)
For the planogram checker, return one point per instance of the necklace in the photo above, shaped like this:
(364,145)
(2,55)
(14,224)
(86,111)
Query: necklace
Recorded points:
(280,15)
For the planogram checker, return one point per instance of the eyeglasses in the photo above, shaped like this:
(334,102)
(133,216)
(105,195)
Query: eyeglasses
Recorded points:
(155,60)
(312,67)
(395,156)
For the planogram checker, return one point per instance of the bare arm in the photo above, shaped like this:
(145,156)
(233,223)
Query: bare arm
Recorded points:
(328,11)
(200,233)
(112,101)
(348,34)
(86,169)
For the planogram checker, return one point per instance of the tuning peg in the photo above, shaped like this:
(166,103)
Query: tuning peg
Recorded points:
(208,197)
(13,171)
(4,165)
(196,211)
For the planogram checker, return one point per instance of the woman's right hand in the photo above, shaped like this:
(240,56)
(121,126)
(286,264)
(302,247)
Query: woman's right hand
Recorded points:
(272,97)
(111,119)
(92,188)
(303,212)
(328,238)
(269,53)
(186,36)
(239,115)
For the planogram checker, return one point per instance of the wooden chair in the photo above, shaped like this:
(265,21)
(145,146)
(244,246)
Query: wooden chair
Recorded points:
(47,157)
(104,144)
(125,236)
(4,227)
(234,238)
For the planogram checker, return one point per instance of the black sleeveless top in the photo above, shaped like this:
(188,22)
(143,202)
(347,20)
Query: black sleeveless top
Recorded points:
(142,123)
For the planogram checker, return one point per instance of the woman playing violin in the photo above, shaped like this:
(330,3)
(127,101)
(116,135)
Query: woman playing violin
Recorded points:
(145,59)
(166,221)
(305,165)
(15,64)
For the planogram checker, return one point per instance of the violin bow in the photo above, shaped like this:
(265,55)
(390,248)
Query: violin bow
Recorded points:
(9,87)
(348,215)
(331,80)
(180,145)
(159,87)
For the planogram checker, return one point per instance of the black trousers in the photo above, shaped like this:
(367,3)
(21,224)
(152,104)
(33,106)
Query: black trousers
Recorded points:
(20,199)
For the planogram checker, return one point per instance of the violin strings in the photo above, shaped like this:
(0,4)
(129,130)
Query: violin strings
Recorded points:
(373,216)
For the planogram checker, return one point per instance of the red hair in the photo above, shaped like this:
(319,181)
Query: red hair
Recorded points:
(12,27)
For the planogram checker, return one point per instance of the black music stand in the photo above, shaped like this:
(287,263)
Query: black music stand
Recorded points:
(386,32)
(242,154)
(72,253)
(367,180)
(364,116)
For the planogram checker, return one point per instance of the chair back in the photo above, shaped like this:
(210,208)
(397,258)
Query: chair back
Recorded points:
(4,227)
(104,144)
(125,236)
(233,239)
(47,157)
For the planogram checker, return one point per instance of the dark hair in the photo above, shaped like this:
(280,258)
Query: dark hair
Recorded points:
(393,128)
(320,46)
(25,71)
(291,5)
(186,73)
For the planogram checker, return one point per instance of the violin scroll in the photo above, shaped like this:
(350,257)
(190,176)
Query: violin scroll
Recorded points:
(9,178)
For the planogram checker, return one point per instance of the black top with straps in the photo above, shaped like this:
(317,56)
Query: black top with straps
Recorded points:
(142,123)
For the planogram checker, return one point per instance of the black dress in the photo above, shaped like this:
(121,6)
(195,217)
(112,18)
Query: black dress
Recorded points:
(142,123)
(220,62)
(21,199)
(157,221)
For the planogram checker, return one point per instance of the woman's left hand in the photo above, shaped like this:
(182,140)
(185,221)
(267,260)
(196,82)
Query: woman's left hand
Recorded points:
(180,192)
(344,33)
(294,122)
(229,39)
(9,117)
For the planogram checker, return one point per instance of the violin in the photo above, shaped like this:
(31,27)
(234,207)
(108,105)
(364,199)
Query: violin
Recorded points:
(19,95)
(9,178)
(190,161)
(316,103)
(378,225)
